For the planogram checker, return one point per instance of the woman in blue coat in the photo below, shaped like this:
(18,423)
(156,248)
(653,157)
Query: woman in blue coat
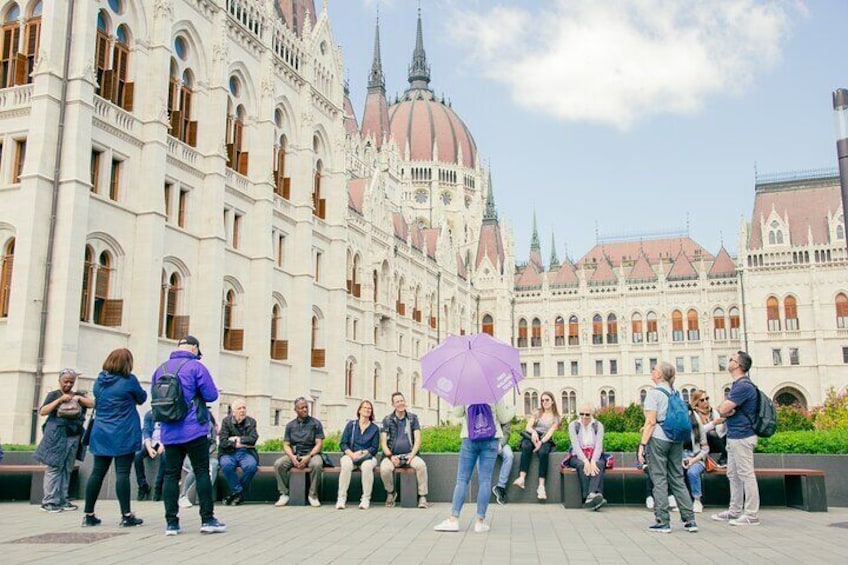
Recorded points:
(116,433)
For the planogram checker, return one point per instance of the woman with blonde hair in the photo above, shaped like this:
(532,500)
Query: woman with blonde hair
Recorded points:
(696,449)
(537,438)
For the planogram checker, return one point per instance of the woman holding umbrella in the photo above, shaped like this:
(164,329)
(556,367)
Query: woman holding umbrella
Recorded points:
(481,430)
(537,438)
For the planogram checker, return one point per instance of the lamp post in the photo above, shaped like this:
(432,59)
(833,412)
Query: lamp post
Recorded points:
(840,112)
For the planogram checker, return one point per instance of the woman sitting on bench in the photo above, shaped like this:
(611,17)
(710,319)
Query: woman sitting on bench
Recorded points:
(587,457)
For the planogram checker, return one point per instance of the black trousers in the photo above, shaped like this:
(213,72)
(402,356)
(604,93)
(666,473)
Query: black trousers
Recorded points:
(197,451)
(123,464)
(543,453)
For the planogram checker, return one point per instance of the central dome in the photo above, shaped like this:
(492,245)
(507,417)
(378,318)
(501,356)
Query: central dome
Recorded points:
(431,130)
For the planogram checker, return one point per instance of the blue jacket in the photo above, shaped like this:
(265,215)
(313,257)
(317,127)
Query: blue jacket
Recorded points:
(117,428)
(196,382)
(148,426)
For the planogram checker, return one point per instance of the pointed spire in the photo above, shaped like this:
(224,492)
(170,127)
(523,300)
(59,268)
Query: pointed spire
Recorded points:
(376,79)
(554,258)
(534,242)
(491,213)
(419,70)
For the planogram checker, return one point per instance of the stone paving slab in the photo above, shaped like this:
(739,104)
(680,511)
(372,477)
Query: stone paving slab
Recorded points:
(521,534)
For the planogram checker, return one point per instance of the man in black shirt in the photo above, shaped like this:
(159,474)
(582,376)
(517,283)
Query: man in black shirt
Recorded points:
(303,441)
(400,439)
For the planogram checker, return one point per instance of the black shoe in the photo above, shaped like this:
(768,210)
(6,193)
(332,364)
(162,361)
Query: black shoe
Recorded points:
(52,508)
(500,494)
(69,507)
(157,495)
(90,520)
(228,500)
(144,492)
(238,498)
(130,520)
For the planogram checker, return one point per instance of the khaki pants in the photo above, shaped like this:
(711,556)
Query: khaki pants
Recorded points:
(387,474)
(744,492)
(283,465)
(367,468)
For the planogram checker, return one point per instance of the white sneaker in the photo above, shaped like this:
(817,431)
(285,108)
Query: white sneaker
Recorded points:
(672,503)
(284,499)
(314,502)
(649,503)
(447,526)
(365,504)
(540,493)
(697,507)
(340,504)
(184,502)
(481,527)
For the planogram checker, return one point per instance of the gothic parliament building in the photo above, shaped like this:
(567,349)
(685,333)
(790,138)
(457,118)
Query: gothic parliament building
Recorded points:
(196,166)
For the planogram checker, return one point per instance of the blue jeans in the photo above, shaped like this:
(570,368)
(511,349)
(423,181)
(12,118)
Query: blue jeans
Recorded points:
(506,465)
(483,454)
(693,475)
(230,461)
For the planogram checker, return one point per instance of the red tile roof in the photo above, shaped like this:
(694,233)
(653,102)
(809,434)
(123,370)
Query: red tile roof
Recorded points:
(806,204)
(375,117)
(355,193)
(654,249)
(642,270)
(682,268)
(350,124)
(529,277)
(603,273)
(431,236)
(400,226)
(723,265)
(566,275)
(490,245)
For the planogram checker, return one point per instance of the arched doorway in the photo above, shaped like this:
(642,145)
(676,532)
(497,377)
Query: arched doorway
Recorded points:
(790,396)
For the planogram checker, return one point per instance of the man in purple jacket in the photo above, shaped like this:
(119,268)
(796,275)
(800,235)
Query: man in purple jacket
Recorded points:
(188,437)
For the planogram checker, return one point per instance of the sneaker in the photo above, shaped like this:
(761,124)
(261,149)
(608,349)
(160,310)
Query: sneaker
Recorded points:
(313,501)
(598,502)
(390,499)
(672,503)
(697,506)
(518,483)
(238,498)
(143,492)
(422,502)
(52,508)
(660,528)
(228,500)
(365,504)
(340,504)
(213,526)
(69,507)
(130,520)
(90,520)
(649,503)
(172,529)
(184,502)
(744,520)
(590,500)
(500,494)
(540,493)
(283,500)
(447,526)
(690,526)
(481,527)
(725,516)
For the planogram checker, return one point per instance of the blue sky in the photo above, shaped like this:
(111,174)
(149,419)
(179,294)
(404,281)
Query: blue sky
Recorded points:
(621,116)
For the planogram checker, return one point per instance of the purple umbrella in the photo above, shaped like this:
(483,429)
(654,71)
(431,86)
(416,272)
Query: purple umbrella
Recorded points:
(471,369)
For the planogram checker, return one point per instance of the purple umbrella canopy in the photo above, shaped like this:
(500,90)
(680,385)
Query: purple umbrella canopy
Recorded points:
(471,369)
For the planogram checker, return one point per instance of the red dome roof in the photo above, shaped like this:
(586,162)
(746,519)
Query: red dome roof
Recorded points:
(423,124)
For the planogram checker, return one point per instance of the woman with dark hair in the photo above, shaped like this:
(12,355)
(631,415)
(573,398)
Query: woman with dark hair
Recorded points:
(695,450)
(359,444)
(537,438)
(116,433)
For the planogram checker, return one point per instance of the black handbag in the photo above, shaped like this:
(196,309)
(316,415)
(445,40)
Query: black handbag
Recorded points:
(82,447)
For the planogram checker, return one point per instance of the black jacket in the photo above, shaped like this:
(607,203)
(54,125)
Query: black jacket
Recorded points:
(230,430)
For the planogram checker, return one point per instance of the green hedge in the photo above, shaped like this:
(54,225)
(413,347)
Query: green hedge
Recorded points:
(18,447)
(812,442)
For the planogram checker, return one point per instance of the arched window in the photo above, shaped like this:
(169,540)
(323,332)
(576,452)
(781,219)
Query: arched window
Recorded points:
(237,156)
(607,398)
(400,305)
(841,311)
(719,330)
(488,325)
(233,334)
(375,383)
(279,343)
(569,402)
(773,314)
(597,329)
(636,328)
(104,309)
(536,338)
(573,330)
(181,93)
(413,391)
(317,341)
(6,277)
(531,401)
(790,311)
(112,56)
(522,333)
(172,319)
(693,331)
(319,204)
(87,279)
(612,329)
(559,331)
(643,393)
(11,34)
(349,377)
(17,59)
(686,393)
(652,333)
(677,325)
(375,280)
(733,315)
(282,183)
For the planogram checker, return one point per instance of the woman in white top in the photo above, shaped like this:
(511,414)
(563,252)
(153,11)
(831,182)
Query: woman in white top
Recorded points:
(587,456)
(537,439)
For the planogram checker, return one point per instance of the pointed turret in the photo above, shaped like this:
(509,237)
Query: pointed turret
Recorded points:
(419,70)
(490,213)
(536,247)
(554,259)
(375,117)
(491,242)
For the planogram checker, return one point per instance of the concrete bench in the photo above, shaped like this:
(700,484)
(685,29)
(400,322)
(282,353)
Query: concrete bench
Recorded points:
(802,488)
(36,474)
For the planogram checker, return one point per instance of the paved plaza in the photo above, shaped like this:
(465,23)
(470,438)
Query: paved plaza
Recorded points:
(521,534)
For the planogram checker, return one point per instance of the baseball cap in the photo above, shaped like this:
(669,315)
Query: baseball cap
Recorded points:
(191,340)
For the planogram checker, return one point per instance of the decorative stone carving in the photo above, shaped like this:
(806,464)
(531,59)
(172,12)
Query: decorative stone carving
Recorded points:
(163,9)
(40,62)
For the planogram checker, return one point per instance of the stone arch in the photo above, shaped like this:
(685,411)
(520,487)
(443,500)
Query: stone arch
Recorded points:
(790,394)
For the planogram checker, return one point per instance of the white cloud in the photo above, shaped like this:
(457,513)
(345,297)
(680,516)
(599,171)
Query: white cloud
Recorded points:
(621,61)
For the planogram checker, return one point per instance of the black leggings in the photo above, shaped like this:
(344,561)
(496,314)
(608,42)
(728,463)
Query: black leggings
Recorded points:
(527,452)
(123,463)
